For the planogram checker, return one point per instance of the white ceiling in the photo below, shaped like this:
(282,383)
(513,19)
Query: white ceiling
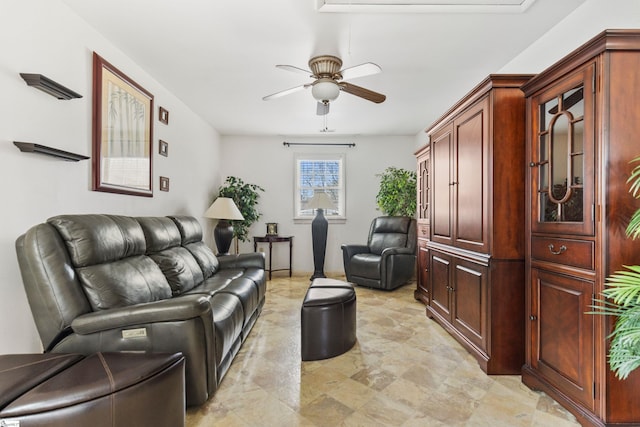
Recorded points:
(219,57)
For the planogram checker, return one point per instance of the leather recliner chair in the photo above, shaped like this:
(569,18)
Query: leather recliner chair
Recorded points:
(388,259)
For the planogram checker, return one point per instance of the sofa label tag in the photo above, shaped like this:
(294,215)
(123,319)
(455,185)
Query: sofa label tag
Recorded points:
(9,422)
(134,333)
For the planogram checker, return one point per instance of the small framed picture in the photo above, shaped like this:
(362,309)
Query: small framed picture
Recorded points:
(164,183)
(272,229)
(164,148)
(163,116)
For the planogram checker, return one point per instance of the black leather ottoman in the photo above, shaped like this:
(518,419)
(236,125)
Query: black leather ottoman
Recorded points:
(328,319)
(103,389)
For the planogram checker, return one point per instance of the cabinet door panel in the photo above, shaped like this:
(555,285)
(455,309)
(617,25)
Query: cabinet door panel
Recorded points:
(563,334)
(440,286)
(471,136)
(441,188)
(423,271)
(470,296)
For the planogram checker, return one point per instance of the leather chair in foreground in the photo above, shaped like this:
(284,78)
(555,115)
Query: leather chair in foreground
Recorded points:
(388,259)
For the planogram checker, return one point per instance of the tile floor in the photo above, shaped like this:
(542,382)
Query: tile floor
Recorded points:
(405,370)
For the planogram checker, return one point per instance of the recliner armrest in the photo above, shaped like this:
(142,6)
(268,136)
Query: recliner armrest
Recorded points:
(351,250)
(252,259)
(397,251)
(168,310)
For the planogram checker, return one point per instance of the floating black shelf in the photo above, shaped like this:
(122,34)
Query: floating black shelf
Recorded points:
(29,147)
(47,85)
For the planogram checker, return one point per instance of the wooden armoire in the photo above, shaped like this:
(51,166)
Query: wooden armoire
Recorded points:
(473,262)
(583,129)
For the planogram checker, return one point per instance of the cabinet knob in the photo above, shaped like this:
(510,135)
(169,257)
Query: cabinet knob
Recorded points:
(532,317)
(533,164)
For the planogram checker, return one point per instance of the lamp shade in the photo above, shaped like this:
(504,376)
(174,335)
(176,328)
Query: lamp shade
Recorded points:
(325,90)
(320,200)
(223,208)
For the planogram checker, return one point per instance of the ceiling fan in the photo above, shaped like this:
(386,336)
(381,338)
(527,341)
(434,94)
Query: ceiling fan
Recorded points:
(328,81)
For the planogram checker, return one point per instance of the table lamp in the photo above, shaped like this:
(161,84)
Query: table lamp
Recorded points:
(320,201)
(223,209)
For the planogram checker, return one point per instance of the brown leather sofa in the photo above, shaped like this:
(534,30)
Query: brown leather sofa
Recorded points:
(388,259)
(101,390)
(107,283)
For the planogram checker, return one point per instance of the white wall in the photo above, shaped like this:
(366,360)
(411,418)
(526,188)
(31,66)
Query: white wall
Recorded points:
(267,162)
(587,21)
(43,36)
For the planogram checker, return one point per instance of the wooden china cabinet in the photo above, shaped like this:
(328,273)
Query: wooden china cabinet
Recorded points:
(583,127)
(422,290)
(474,258)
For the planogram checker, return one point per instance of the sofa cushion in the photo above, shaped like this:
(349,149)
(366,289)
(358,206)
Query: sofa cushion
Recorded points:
(180,268)
(207,261)
(160,233)
(190,229)
(163,246)
(130,281)
(95,239)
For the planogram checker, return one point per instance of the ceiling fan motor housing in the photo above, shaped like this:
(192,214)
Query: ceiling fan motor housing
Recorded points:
(326,66)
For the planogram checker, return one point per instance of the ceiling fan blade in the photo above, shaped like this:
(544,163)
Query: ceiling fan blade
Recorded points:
(285,92)
(322,109)
(366,69)
(367,94)
(294,69)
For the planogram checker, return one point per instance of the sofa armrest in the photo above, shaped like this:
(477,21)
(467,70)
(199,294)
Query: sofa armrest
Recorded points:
(251,259)
(168,310)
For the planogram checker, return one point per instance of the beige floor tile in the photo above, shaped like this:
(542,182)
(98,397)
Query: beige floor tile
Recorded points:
(404,370)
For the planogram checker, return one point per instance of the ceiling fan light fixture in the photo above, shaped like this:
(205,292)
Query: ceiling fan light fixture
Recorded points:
(325,90)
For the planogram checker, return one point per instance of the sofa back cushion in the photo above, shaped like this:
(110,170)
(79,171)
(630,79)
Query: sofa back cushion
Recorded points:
(108,253)
(129,281)
(163,246)
(191,235)
(96,239)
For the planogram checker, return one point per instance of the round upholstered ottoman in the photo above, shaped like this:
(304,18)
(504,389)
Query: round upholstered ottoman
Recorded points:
(328,319)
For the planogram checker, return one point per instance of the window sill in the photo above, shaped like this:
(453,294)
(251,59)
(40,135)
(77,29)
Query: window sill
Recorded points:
(331,220)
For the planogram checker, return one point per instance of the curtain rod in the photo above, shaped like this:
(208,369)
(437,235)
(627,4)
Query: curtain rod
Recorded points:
(289,144)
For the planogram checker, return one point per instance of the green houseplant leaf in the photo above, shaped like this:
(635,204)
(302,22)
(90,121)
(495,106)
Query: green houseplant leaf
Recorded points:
(397,193)
(245,197)
(623,300)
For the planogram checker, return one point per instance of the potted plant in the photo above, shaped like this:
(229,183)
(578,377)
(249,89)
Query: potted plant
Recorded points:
(623,301)
(245,196)
(397,193)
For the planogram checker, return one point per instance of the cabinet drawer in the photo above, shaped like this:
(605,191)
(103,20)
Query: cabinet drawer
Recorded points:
(423,231)
(576,253)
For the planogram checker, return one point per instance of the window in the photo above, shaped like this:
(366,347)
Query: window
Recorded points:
(319,173)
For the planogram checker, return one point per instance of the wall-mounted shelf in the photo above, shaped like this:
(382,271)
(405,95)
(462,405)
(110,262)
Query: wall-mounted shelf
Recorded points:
(29,147)
(47,85)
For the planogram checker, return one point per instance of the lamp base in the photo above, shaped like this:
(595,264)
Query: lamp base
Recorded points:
(223,235)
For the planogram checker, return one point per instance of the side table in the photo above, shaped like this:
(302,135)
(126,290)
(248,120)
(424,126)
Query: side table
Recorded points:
(271,240)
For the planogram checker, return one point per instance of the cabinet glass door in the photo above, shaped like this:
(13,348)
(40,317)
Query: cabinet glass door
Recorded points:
(423,187)
(562,166)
